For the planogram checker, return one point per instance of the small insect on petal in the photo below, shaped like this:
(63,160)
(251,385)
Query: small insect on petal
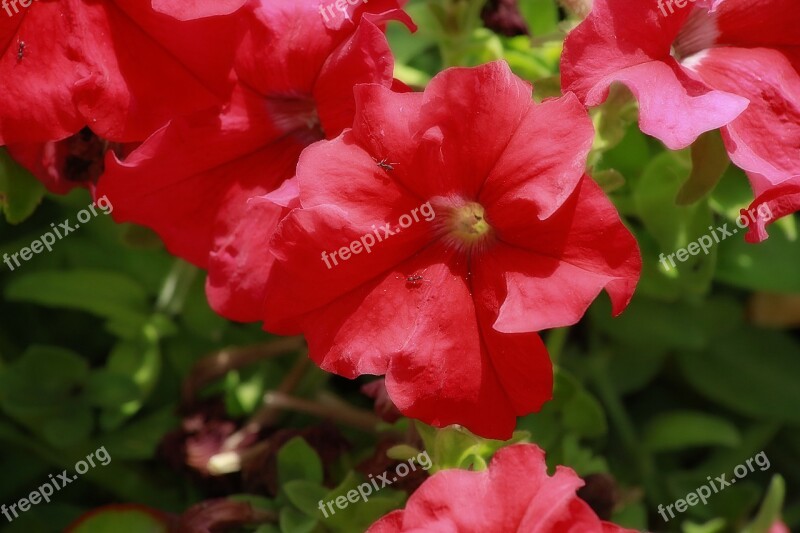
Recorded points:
(385,165)
(414,280)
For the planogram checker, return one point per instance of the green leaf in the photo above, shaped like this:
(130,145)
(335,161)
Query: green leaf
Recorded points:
(139,358)
(580,458)
(69,430)
(541,16)
(110,389)
(52,370)
(43,391)
(714,526)
(670,231)
(306,495)
(582,413)
(106,294)
(360,515)
(649,325)
(140,439)
(20,192)
(770,511)
(293,521)
(573,414)
(761,267)
(298,460)
(709,162)
(121,520)
(751,371)
(678,430)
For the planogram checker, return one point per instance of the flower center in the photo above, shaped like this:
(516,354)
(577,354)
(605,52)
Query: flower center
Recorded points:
(296,115)
(699,32)
(468,228)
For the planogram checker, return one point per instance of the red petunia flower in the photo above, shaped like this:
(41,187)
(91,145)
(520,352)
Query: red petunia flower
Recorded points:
(730,64)
(121,67)
(437,235)
(513,494)
(190,181)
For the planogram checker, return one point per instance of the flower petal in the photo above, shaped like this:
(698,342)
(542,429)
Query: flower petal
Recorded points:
(555,269)
(629,42)
(777,202)
(186,174)
(515,493)
(765,139)
(364,58)
(753,23)
(544,160)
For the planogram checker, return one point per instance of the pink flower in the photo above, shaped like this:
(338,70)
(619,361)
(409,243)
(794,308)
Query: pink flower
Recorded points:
(513,494)
(730,64)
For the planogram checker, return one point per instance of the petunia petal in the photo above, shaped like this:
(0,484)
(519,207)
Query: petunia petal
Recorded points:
(181,179)
(775,203)
(119,67)
(556,268)
(754,23)
(765,139)
(629,42)
(515,492)
(364,58)
(544,160)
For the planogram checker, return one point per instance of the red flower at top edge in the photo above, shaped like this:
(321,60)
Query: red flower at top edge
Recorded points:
(121,67)
(190,181)
(437,235)
(730,64)
(513,494)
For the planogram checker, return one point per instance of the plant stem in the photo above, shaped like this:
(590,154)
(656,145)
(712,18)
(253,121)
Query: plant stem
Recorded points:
(219,363)
(619,417)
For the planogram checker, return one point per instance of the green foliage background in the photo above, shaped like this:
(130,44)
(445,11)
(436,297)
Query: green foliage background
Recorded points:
(98,336)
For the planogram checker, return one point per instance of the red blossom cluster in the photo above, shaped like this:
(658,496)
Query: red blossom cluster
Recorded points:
(254,136)
(292,139)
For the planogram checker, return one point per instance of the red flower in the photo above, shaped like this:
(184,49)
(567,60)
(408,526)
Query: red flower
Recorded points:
(121,67)
(437,235)
(697,68)
(513,494)
(190,181)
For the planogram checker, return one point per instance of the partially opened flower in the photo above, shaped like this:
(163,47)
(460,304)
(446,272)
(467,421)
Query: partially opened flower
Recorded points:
(730,64)
(513,494)
(435,238)
(190,181)
(121,67)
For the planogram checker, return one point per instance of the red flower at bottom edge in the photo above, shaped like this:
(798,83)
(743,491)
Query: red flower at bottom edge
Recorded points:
(513,494)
